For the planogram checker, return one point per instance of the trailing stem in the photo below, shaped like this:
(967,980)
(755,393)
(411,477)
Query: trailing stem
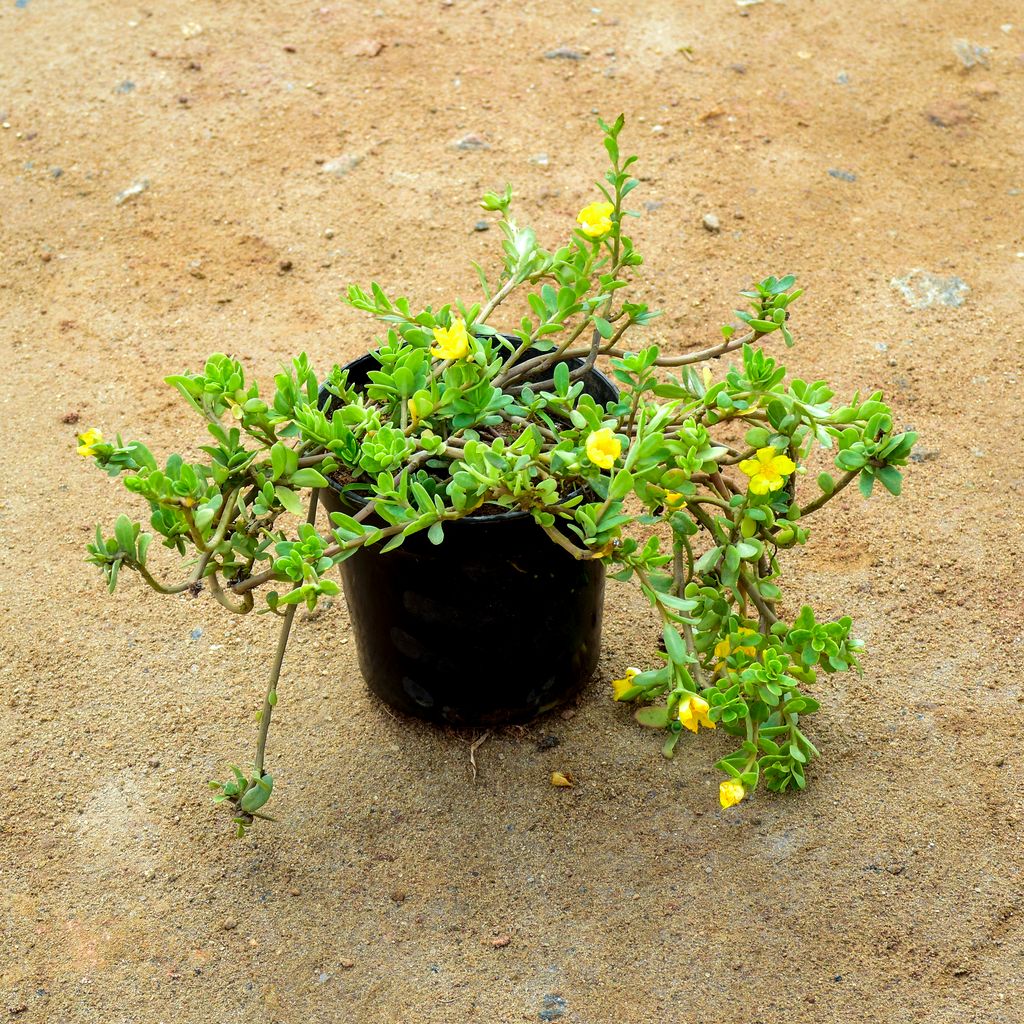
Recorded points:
(270,699)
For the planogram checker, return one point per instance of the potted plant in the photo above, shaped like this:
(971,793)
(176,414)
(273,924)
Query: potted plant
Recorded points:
(505,464)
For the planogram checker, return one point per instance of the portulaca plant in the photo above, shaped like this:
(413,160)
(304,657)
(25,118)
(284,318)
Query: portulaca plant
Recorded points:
(692,484)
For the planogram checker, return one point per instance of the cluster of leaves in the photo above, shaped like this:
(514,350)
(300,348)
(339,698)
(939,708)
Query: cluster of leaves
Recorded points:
(672,498)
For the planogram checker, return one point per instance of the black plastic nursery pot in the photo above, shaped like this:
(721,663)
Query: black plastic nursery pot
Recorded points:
(495,625)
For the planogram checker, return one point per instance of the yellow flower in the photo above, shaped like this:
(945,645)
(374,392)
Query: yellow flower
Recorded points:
(620,686)
(768,471)
(452,342)
(595,220)
(603,448)
(731,792)
(693,713)
(87,442)
(723,648)
(562,779)
(673,499)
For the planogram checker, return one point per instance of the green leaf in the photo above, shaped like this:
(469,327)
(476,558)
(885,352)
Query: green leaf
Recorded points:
(621,485)
(653,717)
(290,500)
(707,560)
(892,479)
(668,748)
(255,797)
(436,534)
(124,534)
(278,460)
(308,477)
(674,646)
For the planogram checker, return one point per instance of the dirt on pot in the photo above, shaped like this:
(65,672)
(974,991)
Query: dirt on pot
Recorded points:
(160,167)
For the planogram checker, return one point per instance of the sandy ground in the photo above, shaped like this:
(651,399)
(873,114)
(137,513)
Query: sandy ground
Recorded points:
(292,147)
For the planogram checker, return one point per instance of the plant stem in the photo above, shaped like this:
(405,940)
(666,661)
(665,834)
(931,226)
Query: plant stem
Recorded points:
(844,481)
(496,300)
(275,669)
(759,602)
(204,558)
(580,554)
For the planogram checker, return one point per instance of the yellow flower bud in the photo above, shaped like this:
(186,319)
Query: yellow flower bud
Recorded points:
(450,342)
(603,448)
(87,442)
(723,648)
(595,220)
(731,792)
(693,713)
(623,685)
(768,471)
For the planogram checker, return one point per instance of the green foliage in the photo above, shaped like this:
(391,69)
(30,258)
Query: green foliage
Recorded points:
(689,484)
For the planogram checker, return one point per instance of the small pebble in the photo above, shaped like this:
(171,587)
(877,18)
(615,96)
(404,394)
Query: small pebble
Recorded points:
(346,965)
(365,48)
(470,143)
(229,924)
(341,165)
(835,172)
(564,53)
(711,223)
(131,192)
(924,290)
(971,54)
(481,225)
(328,232)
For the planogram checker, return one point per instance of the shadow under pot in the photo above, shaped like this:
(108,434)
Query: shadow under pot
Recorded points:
(495,625)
